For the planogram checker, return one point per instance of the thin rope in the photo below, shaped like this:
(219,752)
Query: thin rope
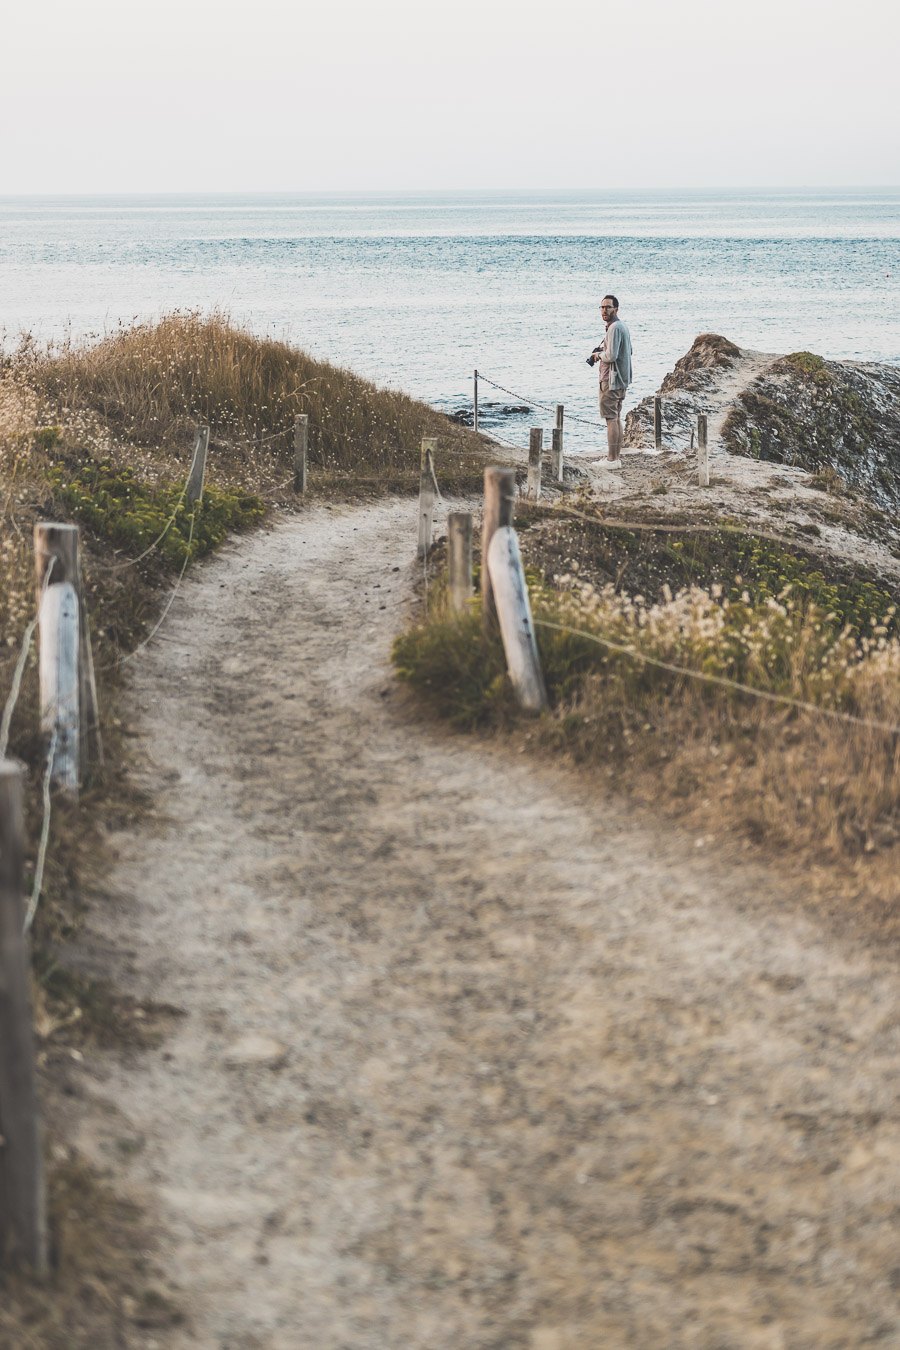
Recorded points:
(532,402)
(16,686)
(132,562)
(722,681)
(19,671)
(586,421)
(45,836)
(152,634)
(721,528)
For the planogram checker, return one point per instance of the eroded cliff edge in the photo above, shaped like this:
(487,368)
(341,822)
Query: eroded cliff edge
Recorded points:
(836,417)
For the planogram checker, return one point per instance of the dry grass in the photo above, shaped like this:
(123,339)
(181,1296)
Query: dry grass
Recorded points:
(102,434)
(736,766)
(151,384)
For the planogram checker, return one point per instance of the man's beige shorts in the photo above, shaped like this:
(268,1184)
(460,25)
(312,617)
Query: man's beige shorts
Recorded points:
(611,401)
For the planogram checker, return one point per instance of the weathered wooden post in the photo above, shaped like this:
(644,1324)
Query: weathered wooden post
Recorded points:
(499,504)
(516,623)
(459,548)
(657,422)
(556,457)
(475,403)
(301,449)
(535,444)
(63,683)
(198,466)
(426,494)
(702,450)
(22,1211)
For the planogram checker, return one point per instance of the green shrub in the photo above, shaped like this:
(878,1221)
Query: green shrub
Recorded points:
(121,510)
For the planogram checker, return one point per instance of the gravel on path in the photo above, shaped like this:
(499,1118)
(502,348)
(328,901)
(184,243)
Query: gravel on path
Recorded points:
(473,1057)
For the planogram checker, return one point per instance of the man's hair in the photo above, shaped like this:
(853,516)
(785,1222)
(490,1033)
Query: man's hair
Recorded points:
(613,299)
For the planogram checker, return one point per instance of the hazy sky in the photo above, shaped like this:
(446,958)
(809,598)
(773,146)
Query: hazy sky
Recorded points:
(186,95)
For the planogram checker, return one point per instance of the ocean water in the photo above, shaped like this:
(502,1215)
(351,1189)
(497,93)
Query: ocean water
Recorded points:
(417,291)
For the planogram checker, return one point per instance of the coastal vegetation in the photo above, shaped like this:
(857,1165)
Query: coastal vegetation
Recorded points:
(823,416)
(623,617)
(150,384)
(101,433)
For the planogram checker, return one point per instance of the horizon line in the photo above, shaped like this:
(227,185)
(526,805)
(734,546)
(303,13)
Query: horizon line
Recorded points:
(443,191)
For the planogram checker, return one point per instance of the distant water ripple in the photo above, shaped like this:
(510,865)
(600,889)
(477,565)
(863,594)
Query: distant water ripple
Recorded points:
(416,291)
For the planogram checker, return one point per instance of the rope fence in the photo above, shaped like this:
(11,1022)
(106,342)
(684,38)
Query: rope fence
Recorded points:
(650,527)
(38,884)
(130,656)
(537,403)
(722,680)
(68,691)
(18,673)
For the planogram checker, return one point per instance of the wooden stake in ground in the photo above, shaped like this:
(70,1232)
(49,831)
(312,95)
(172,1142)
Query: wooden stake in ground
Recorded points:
(22,1218)
(556,459)
(301,448)
(499,504)
(198,466)
(556,455)
(426,494)
(702,450)
(535,443)
(657,422)
(64,684)
(516,624)
(459,549)
(475,404)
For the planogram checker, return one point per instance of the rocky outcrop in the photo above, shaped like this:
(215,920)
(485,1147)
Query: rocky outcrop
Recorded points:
(840,417)
(693,387)
(817,414)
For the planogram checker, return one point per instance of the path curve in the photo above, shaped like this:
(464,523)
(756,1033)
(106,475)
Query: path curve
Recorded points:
(471,1059)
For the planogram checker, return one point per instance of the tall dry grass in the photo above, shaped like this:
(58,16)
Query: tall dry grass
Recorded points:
(738,766)
(153,382)
(777,773)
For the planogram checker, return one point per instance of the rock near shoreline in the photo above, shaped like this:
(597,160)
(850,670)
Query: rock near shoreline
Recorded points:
(836,417)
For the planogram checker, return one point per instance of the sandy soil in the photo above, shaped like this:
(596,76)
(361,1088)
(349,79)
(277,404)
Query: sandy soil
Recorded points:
(471,1057)
(773,497)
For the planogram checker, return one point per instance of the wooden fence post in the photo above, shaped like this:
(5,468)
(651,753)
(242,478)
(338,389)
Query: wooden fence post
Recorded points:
(557,459)
(516,623)
(64,680)
(59,665)
(499,504)
(22,1212)
(426,494)
(459,548)
(702,450)
(198,466)
(556,455)
(301,449)
(657,422)
(535,443)
(475,403)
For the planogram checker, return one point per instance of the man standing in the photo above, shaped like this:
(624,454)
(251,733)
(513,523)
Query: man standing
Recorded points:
(614,356)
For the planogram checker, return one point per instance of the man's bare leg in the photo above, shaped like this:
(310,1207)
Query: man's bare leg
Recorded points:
(613,438)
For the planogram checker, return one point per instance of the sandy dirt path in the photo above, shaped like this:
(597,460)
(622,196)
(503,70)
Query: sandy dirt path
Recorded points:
(471,1058)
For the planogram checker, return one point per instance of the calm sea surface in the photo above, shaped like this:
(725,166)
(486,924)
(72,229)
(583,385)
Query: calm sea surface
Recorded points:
(416,291)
